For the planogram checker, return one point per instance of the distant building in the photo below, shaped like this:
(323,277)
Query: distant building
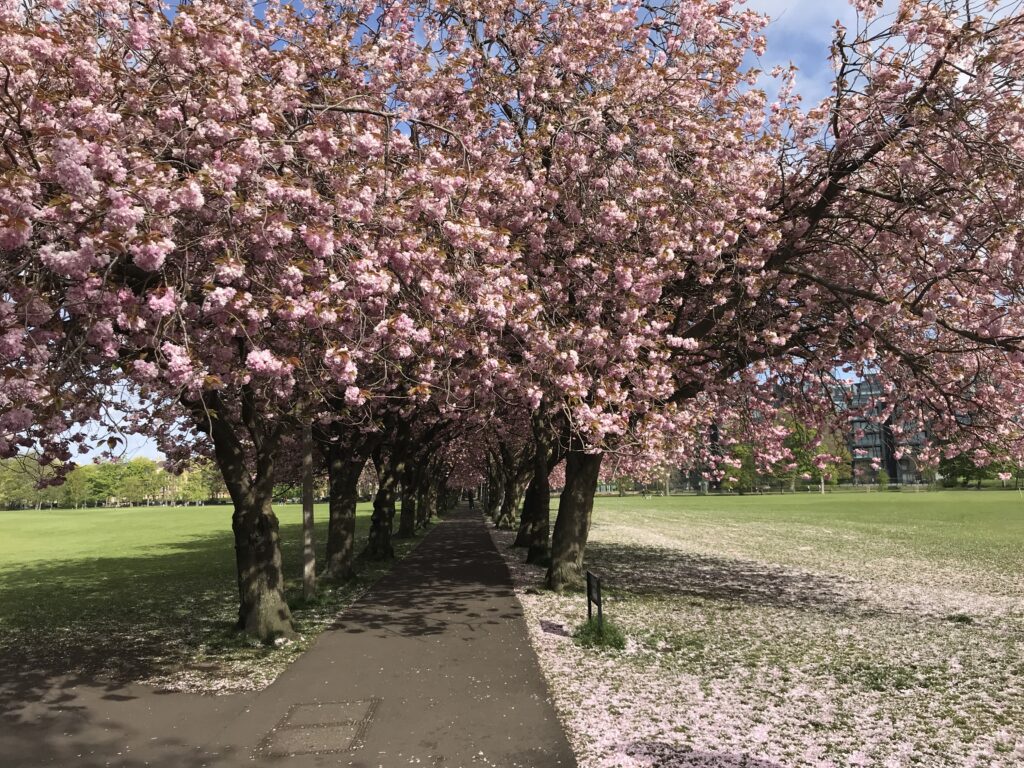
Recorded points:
(871,442)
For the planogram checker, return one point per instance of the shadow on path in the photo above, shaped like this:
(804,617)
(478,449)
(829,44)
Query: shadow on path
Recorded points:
(80,634)
(440,584)
(441,645)
(115,621)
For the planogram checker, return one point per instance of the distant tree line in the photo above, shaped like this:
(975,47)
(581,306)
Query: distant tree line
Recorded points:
(139,481)
(962,470)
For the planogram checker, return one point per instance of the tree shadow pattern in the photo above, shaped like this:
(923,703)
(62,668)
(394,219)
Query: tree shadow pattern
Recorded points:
(658,754)
(77,705)
(73,720)
(117,620)
(661,571)
(449,579)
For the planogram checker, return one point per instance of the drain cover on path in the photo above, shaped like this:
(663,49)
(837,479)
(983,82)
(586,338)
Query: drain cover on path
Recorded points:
(321,727)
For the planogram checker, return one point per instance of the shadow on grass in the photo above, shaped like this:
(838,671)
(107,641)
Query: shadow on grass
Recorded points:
(659,754)
(118,617)
(78,635)
(117,620)
(647,570)
(77,632)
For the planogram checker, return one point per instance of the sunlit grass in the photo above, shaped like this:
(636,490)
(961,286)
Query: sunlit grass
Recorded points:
(982,528)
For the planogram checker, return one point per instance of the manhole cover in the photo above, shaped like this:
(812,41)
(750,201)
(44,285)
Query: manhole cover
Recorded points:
(321,727)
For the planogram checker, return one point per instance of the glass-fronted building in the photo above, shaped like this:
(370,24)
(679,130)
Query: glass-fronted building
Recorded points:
(875,444)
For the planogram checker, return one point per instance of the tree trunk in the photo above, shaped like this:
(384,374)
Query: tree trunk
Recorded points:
(263,611)
(535,532)
(427,496)
(382,521)
(308,548)
(533,510)
(407,518)
(495,492)
(507,512)
(572,526)
(422,501)
(535,523)
(436,499)
(343,469)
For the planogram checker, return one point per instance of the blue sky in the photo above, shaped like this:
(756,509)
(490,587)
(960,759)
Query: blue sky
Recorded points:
(801,32)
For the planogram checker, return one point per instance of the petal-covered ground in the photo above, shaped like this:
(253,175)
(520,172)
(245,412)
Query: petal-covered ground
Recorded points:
(794,632)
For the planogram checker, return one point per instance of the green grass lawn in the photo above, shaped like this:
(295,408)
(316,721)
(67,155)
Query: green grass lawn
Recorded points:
(984,529)
(149,593)
(797,631)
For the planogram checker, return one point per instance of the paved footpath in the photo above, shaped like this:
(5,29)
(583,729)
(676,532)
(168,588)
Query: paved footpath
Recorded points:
(433,667)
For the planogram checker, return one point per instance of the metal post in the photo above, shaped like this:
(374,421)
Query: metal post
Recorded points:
(590,607)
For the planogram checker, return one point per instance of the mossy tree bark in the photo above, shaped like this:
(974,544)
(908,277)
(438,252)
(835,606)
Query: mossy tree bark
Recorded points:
(407,516)
(419,467)
(535,516)
(535,529)
(495,487)
(308,545)
(424,489)
(515,470)
(389,466)
(572,525)
(435,500)
(262,611)
(424,494)
(507,511)
(346,456)
(535,522)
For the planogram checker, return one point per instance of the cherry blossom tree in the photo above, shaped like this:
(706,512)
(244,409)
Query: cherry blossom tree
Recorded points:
(695,252)
(570,228)
(626,128)
(220,205)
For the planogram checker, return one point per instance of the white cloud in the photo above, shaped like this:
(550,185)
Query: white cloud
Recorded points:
(801,32)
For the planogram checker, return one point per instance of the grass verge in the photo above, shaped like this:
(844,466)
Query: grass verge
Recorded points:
(148,595)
